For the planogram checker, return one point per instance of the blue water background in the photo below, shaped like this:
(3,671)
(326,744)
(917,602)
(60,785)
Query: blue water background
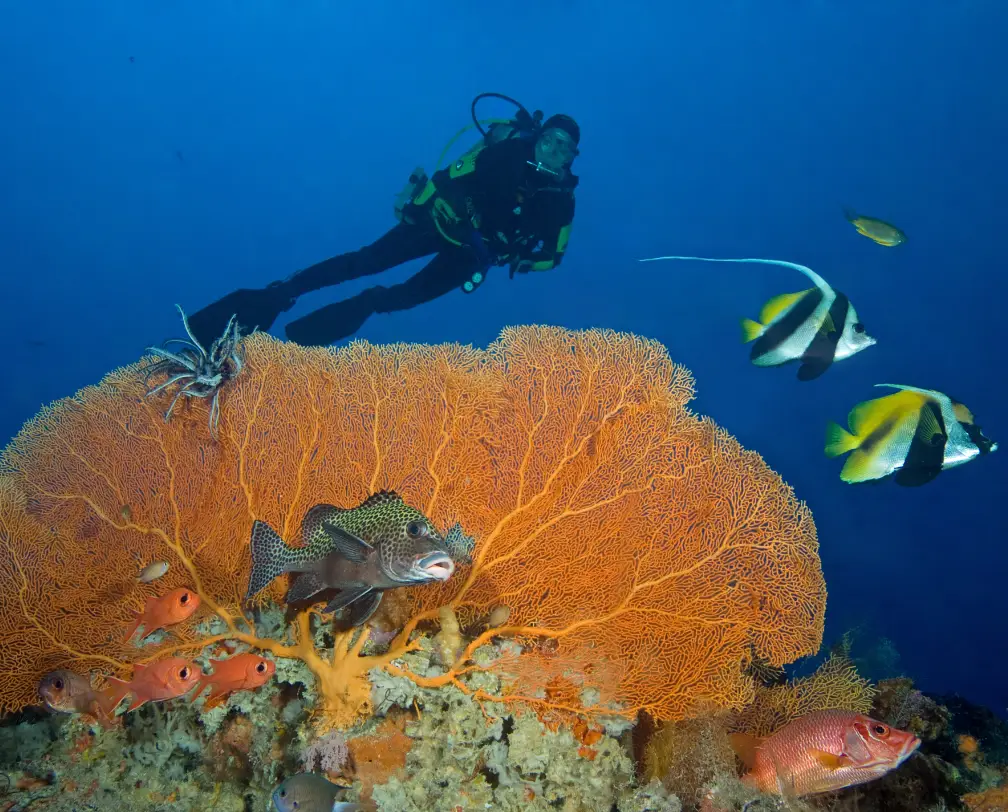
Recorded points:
(245,140)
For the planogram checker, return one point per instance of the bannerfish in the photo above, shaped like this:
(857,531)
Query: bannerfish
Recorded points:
(816,326)
(876,230)
(381,544)
(308,792)
(914,433)
(67,692)
(823,751)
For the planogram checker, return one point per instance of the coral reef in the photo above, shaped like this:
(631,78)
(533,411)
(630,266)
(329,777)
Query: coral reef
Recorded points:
(901,705)
(642,554)
(425,749)
(689,756)
(834,685)
(621,559)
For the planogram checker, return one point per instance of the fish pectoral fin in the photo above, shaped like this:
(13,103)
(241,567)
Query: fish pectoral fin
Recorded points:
(926,455)
(352,548)
(214,698)
(828,327)
(138,700)
(930,429)
(778,305)
(358,612)
(347,595)
(830,761)
(751,330)
(306,585)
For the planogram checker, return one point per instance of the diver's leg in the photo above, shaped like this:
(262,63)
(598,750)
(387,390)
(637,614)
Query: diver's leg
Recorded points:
(448,270)
(400,244)
(260,307)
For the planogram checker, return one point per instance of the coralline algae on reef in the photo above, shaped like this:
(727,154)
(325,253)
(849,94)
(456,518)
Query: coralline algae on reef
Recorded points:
(468,755)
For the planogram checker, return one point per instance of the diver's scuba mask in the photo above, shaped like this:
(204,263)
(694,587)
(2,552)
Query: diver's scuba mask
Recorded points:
(554,150)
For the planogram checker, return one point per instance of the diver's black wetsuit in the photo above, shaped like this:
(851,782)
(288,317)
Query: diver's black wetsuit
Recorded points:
(492,209)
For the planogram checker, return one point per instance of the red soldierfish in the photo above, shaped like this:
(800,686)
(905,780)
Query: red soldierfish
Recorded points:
(243,672)
(168,609)
(823,751)
(165,679)
(67,692)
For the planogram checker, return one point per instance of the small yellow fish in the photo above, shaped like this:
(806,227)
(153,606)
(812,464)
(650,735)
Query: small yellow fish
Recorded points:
(152,572)
(876,230)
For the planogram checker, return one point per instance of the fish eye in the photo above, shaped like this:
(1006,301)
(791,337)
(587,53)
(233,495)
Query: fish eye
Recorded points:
(283,793)
(880,730)
(260,667)
(184,599)
(416,529)
(58,684)
(184,673)
(858,327)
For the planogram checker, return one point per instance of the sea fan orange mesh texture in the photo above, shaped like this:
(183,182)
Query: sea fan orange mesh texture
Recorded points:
(617,526)
(835,685)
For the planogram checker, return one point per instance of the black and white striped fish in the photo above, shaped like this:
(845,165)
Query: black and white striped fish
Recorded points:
(816,326)
(914,434)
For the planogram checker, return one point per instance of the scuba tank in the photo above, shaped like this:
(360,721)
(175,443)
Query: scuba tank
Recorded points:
(523,124)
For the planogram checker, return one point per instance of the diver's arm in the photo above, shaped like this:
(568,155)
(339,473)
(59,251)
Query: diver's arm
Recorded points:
(554,244)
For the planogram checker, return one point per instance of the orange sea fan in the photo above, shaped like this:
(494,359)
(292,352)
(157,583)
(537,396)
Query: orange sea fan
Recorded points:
(617,526)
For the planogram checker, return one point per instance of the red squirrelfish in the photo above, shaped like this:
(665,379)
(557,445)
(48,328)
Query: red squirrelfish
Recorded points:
(168,609)
(165,679)
(823,751)
(243,672)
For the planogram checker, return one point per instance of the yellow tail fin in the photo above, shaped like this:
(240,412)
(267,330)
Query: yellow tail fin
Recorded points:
(839,440)
(750,330)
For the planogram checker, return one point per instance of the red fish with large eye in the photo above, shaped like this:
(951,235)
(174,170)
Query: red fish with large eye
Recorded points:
(824,751)
(165,679)
(167,610)
(243,672)
(67,692)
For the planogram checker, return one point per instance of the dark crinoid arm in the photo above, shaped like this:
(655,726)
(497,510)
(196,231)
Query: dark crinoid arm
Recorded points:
(192,371)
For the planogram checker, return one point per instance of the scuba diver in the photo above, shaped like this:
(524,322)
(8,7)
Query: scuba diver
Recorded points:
(507,201)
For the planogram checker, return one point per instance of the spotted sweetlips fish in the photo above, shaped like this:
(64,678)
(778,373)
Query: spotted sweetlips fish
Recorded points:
(381,544)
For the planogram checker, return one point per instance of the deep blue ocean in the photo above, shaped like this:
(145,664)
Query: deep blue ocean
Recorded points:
(170,151)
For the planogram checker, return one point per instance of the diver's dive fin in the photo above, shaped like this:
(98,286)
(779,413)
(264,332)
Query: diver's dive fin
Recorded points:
(351,547)
(254,308)
(333,322)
